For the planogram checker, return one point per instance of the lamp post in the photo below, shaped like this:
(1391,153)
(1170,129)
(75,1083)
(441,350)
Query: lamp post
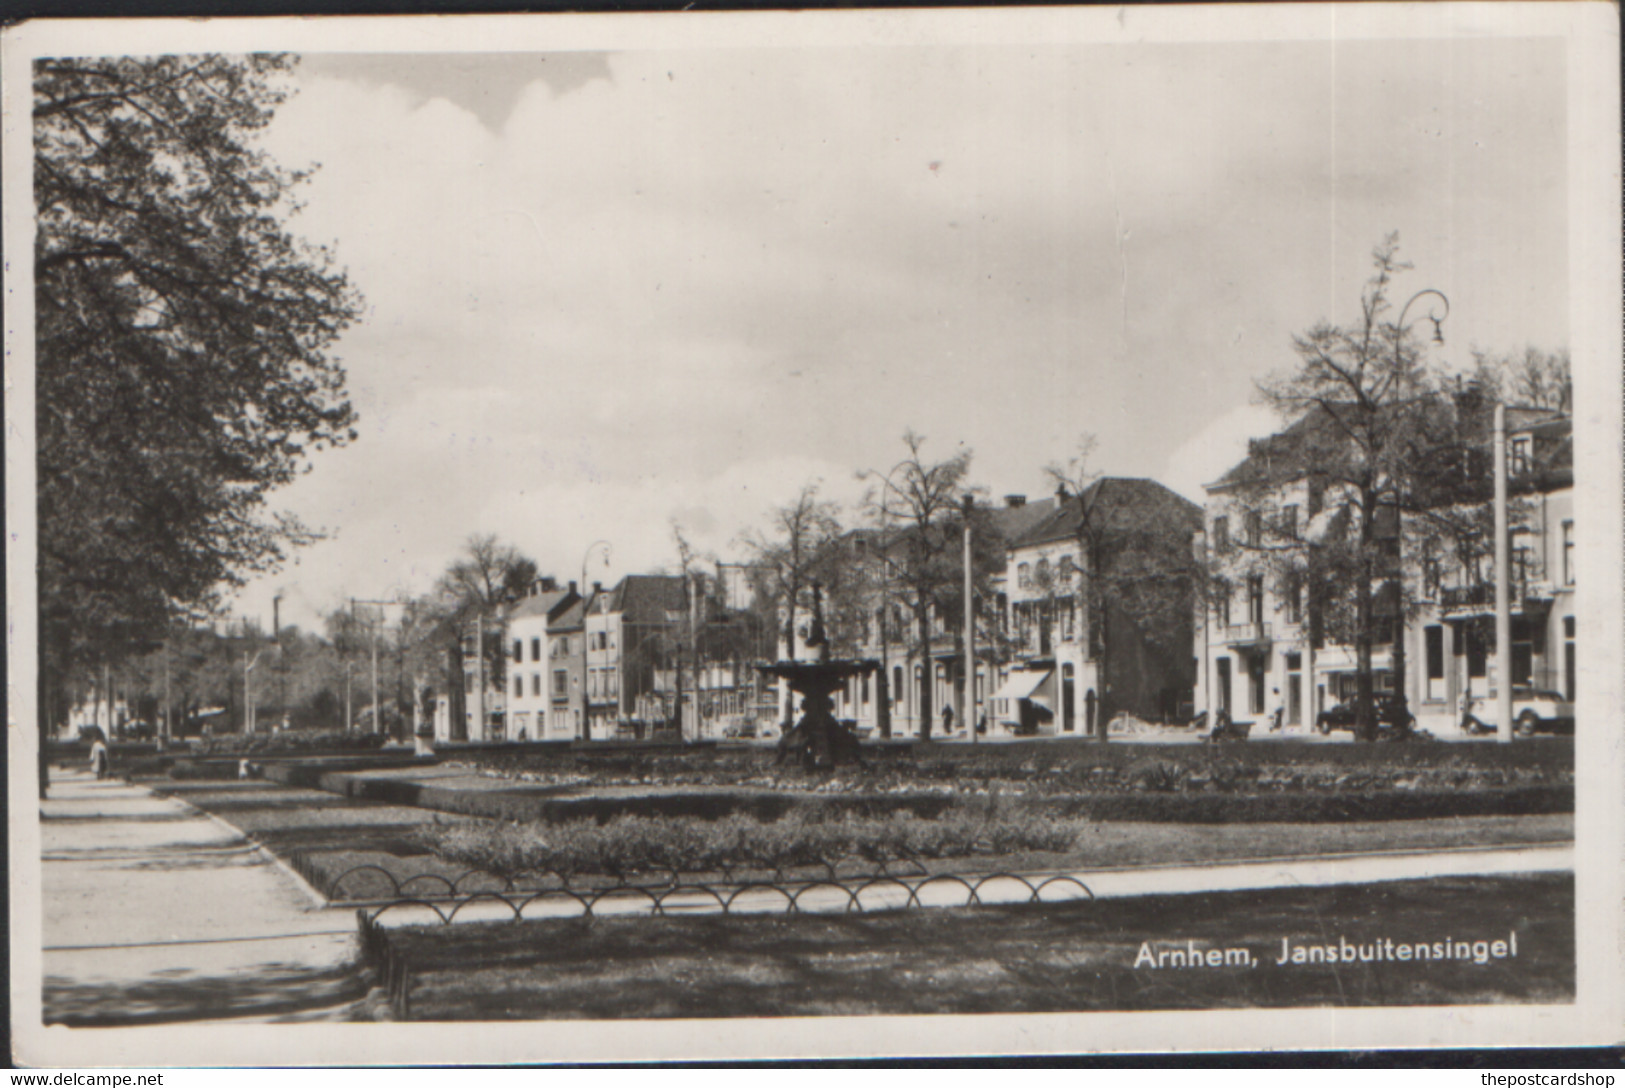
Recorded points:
(372,626)
(884,689)
(967,707)
(585,731)
(1398,656)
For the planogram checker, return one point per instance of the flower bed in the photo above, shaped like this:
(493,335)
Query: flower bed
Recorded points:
(635,844)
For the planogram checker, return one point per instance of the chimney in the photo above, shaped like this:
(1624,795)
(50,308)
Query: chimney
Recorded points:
(1061,494)
(1013,501)
(573,586)
(549,585)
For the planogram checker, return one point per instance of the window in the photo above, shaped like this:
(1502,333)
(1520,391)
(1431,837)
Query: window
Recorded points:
(1255,599)
(1221,534)
(1433,643)
(519,687)
(1518,460)
(1521,567)
(1041,574)
(535,683)
(518,650)
(1292,591)
(897,693)
(1289,522)
(1254,528)
(1064,571)
(535,649)
(1223,594)
(1024,576)
(1568,553)
(561,682)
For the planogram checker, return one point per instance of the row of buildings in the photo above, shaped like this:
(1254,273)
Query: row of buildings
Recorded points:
(1122,599)
(1263,648)
(658,652)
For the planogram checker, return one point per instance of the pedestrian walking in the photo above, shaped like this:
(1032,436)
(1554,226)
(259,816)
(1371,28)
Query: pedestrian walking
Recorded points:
(1277,711)
(101,761)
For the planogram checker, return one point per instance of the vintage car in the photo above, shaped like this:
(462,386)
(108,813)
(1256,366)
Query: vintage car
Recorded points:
(1534,710)
(1344,715)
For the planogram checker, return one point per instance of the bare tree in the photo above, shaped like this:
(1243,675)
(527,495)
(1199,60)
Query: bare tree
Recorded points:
(923,500)
(1388,455)
(789,555)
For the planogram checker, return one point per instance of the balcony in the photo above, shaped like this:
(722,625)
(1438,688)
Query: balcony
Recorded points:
(1247,634)
(1462,602)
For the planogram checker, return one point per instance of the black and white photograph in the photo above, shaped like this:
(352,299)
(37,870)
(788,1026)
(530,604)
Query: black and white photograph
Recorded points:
(824,534)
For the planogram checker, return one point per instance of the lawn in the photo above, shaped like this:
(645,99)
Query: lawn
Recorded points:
(1044,958)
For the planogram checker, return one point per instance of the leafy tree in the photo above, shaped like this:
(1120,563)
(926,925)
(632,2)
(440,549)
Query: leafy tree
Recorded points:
(181,345)
(473,592)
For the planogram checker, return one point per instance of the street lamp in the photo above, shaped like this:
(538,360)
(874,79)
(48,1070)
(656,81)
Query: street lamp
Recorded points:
(584,728)
(1398,661)
(888,697)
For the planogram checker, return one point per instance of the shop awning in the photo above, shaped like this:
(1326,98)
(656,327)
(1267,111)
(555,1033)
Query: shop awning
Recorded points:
(1021,684)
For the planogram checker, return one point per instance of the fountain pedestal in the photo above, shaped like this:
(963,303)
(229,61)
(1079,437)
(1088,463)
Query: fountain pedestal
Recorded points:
(821,741)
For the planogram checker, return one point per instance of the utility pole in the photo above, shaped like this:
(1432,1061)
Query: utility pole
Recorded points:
(967,706)
(281,664)
(373,625)
(1503,587)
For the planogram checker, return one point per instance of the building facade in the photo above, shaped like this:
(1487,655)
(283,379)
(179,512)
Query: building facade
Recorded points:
(532,665)
(1264,648)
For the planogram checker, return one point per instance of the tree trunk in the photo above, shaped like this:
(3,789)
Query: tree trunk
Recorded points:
(923,622)
(1402,711)
(1365,719)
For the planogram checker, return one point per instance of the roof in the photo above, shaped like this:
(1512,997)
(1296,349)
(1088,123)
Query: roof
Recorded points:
(1279,457)
(1013,521)
(542,604)
(1113,504)
(646,598)
(568,617)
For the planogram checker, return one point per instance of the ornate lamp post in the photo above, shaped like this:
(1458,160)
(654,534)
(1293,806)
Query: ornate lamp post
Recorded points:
(1402,714)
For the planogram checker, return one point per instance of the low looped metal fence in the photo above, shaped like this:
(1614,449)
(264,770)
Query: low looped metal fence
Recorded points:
(349,886)
(814,895)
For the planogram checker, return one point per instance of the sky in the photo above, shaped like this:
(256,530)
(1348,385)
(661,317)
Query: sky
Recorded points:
(610,292)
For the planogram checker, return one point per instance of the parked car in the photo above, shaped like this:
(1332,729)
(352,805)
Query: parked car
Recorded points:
(1534,710)
(1344,715)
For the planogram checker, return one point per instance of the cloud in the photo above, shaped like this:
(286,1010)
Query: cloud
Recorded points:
(1213,450)
(686,282)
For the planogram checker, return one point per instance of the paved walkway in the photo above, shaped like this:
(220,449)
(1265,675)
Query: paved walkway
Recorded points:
(154,912)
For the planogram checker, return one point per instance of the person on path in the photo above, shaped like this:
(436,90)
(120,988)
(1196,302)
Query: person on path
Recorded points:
(1277,711)
(101,761)
(947,720)
(1469,720)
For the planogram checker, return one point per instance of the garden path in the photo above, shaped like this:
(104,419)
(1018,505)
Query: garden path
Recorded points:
(155,912)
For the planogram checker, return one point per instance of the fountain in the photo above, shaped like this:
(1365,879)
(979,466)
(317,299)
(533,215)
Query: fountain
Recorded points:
(820,740)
